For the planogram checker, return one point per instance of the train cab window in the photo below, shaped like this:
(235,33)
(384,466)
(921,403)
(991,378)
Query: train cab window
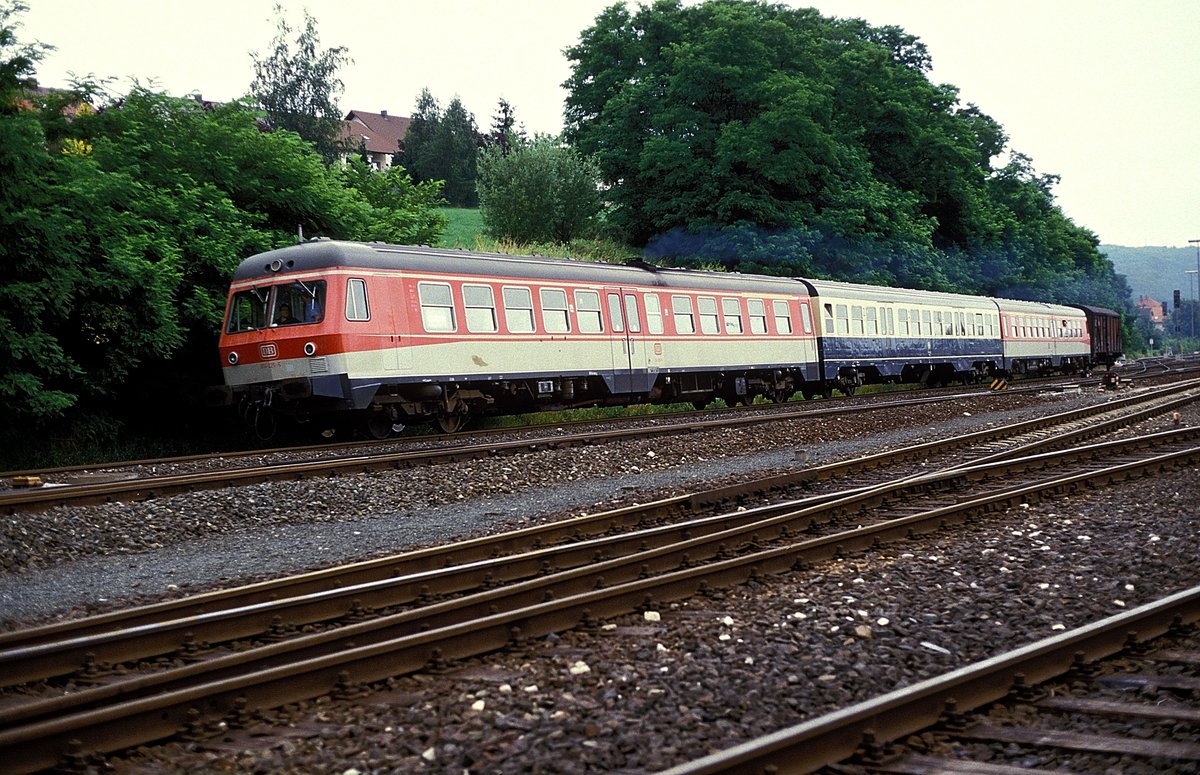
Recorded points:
(871,322)
(710,322)
(806,317)
(587,310)
(632,318)
(356,300)
(902,321)
(783,316)
(654,320)
(554,310)
(518,310)
(480,304)
(758,316)
(685,322)
(856,320)
(437,306)
(731,310)
(297,302)
(247,311)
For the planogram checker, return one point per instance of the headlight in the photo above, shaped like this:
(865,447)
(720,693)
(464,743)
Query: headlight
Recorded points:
(310,348)
(232,358)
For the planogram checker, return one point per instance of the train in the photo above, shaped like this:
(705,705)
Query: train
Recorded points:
(380,336)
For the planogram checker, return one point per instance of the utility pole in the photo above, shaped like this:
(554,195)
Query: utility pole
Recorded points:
(1195,242)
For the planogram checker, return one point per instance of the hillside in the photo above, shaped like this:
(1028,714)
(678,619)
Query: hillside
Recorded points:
(1155,271)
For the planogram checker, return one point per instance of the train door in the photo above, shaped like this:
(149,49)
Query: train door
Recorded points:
(397,338)
(628,342)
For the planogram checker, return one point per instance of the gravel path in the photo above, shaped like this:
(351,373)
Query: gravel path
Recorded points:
(73,560)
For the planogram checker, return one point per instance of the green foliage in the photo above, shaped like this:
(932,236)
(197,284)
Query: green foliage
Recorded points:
(443,146)
(773,139)
(399,210)
(539,191)
(297,85)
(119,230)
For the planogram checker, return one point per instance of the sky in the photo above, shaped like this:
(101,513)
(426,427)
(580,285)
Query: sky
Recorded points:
(1103,93)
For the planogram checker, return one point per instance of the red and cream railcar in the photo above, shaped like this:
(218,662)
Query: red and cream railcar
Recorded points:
(1041,337)
(395,334)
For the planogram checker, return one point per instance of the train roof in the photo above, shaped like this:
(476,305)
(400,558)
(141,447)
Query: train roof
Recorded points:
(899,295)
(326,254)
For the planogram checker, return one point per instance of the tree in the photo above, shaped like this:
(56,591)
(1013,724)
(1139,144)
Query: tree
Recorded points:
(504,132)
(728,126)
(443,146)
(298,86)
(541,191)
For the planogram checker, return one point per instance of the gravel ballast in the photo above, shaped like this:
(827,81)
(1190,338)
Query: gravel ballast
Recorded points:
(659,688)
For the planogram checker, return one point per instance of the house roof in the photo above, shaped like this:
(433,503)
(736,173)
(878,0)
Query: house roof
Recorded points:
(379,132)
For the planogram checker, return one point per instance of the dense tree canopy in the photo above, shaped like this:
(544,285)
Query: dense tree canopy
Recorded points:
(120,228)
(797,143)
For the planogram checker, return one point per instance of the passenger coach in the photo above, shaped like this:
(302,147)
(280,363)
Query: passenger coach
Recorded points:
(395,334)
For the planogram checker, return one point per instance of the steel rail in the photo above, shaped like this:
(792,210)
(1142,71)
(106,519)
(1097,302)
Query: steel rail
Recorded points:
(137,489)
(545,574)
(304,449)
(41,744)
(575,529)
(654,549)
(832,738)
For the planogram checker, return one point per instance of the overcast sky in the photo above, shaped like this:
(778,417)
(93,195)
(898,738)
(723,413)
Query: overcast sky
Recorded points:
(1104,93)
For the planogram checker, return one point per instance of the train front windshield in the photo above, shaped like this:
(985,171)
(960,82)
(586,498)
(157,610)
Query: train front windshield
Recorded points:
(268,306)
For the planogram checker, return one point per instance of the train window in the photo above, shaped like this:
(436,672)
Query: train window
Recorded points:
(732,312)
(871,324)
(518,310)
(710,322)
(298,302)
(902,321)
(587,309)
(356,300)
(758,316)
(926,322)
(631,313)
(783,316)
(614,313)
(685,323)
(979,324)
(889,320)
(842,318)
(654,321)
(247,311)
(437,306)
(554,310)
(480,305)
(856,320)
(806,317)
(960,323)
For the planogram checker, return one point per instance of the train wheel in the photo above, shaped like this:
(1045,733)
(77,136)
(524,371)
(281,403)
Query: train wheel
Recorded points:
(377,425)
(451,423)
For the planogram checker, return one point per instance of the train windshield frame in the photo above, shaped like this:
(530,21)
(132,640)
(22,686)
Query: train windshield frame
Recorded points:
(281,304)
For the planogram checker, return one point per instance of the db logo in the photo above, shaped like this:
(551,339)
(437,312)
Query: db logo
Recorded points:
(268,351)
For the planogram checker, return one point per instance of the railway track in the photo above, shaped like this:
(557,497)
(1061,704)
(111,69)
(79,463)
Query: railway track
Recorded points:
(1038,704)
(725,549)
(134,487)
